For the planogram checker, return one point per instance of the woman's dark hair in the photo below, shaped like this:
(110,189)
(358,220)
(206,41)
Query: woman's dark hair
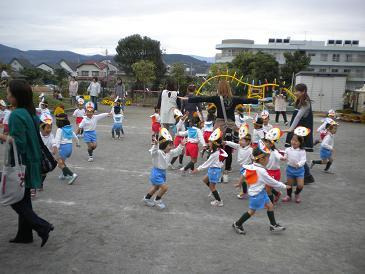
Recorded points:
(163,145)
(23,94)
(301,141)
(62,120)
(95,78)
(303,100)
(170,85)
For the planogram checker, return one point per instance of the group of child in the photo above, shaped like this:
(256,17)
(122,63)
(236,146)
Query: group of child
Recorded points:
(257,155)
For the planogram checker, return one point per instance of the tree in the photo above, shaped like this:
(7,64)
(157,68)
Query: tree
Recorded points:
(38,76)
(294,62)
(218,68)
(178,73)
(134,48)
(144,72)
(241,63)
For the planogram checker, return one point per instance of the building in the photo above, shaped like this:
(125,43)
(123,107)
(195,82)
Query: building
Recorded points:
(70,67)
(326,89)
(333,56)
(90,69)
(18,64)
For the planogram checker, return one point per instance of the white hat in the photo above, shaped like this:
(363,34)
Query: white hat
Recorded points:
(331,112)
(165,134)
(2,103)
(89,106)
(265,114)
(243,131)
(216,135)
(46,119)
(274,134)
(80,101)
(302,131)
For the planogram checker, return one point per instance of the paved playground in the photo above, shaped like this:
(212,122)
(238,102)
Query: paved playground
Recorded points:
(101,225)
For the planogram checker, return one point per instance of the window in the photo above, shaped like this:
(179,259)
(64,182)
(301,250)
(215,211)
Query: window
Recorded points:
(336,57)
(322,70)
(324,57)
(361,58)
(347,70)
(84,73)
(348,57)
(334,70)
(95,73)
(359,73)
(311,54)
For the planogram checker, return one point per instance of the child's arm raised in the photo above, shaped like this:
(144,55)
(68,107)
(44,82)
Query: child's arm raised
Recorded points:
(231,144)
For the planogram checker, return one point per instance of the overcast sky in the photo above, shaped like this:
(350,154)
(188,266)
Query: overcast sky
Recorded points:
(186,27)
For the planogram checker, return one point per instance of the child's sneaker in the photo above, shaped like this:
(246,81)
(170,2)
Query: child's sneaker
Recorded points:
(160,204)
(73,178)
(148,202)
(238,229)
(277,197)
(286,199)
(297,199)
(242,196)
(62,177)
(183,171)
(277,227)
(216,203)
(91,159)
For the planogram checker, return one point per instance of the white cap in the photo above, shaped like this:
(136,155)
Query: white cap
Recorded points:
(265,114)
(80,101)
(89,106)
(332,112)
(45,118)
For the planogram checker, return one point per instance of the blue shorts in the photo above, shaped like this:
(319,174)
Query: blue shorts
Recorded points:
(292,172)
(90,136)
(325,153)
(65,151)
(242,170)
(117,126)
(214,175)
(158,176)
(259,201)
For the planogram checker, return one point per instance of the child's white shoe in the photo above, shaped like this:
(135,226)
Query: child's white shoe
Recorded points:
(160,204)
(73,178)
(91,159)
(148,202)
(216,203)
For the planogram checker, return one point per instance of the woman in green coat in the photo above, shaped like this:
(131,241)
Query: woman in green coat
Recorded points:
(23,126)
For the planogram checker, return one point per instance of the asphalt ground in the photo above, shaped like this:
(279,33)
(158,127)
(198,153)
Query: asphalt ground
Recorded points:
(102,226)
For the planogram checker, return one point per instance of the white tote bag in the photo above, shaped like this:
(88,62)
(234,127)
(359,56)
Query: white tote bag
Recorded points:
(12,184)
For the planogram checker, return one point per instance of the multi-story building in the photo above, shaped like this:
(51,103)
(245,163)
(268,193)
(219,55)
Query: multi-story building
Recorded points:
(342,56)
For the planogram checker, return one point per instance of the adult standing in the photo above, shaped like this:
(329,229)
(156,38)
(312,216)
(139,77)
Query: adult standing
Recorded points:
(73,88)
(23,127)
(191,107)
(280,101)
(227,109)
(119,91)
(302,116)
(94,91)
(167,103)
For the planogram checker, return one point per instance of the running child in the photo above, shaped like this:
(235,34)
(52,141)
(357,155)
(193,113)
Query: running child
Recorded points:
(296,158)
(155,123)
(79,114)
(43,108)
(258,131)
(257,178)
(88,124)
(64,140)
(265,115)
(323,128)
(118,122)
(195,136)
(209,124)
(162,151)
(244,157)
(240,118)
(180,127)
(214,165)
(327,148)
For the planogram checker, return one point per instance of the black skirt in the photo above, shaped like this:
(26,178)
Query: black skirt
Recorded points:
(304,122)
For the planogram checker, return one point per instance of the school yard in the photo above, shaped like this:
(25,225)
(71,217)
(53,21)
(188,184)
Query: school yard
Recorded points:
(101,225)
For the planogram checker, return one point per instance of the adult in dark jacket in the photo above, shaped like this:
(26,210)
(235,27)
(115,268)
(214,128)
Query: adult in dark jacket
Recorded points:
(229,104)
(23,127)
(191,107)
(302,116)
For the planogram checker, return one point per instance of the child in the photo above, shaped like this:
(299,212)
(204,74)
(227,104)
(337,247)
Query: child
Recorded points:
(161,152)
(5,122)
(322,129)
(214,165)
(59,109)
(118,120)
(64,139)
(265,119)
(79,113)
(258,131)
(43,108)
(296,157)
(244,157)
(256,178)
(156,126)
(240,118)
(47,138)
(180,127)
(195,136)
(209,124)
(273,165)
(88,124)
(326,152)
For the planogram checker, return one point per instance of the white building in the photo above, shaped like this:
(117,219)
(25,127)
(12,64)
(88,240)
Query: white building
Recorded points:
(90,69)
(336,56)
(46,67)
(70,67)
(18,64)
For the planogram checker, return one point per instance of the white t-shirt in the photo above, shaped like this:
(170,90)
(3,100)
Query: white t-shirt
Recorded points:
(213,161)
(296,157)
(60,140)
(257,135)
(89,124)
(118,118)
(274,160)
(160,159)
(6,116)
(79,113)
(49,141)
(244,154)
